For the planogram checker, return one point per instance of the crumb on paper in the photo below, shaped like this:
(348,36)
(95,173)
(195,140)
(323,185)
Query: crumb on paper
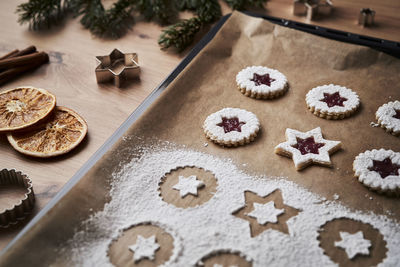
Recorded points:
(373,124)
(335,196)
(205,144)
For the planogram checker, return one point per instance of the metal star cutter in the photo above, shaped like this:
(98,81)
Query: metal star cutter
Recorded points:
(117,67)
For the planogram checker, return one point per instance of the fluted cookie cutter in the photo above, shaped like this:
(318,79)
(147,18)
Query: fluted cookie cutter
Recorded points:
(366,17)
(25,205)
(117,67)
(312,8)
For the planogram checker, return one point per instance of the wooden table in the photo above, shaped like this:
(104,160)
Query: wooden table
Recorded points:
(70,76)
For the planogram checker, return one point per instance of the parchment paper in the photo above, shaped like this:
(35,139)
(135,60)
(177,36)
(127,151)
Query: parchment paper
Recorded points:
(208,84)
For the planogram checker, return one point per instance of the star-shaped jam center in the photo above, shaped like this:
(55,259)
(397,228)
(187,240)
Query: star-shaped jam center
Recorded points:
(333,99)
(397,115)
(307,145)
(262,79)
(232,124)
(385,167)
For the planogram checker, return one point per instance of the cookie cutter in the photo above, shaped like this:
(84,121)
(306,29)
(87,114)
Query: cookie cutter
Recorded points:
(117,67)
(366,17)
(312,8)
(25,205)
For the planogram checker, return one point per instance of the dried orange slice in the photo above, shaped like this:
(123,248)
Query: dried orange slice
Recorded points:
(24,106)
(59,134)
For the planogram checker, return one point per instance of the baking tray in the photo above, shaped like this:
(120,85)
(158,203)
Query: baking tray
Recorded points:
(389,47)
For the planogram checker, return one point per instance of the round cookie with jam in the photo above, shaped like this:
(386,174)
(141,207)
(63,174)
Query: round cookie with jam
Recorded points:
(388,116)
(231,127)
(332,102)
(261,82)
(379,170)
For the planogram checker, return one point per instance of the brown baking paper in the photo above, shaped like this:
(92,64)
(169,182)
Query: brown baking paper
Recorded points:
(208,85)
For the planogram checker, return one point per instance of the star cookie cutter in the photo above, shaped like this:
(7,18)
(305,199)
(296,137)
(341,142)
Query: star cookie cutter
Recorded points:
(25,205)
(312,8)
(366,17)
(117,67)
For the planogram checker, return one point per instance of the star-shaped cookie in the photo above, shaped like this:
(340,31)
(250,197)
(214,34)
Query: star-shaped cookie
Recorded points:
(306,148)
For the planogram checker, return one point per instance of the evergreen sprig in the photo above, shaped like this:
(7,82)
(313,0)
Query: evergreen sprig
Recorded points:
(42,13)
(115,21)
(181,34)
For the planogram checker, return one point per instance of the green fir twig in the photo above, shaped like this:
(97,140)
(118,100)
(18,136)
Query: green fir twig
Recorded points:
(115,21)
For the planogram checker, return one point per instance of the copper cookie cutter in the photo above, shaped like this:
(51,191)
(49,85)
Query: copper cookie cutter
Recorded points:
(25,205)
(312,8)
(117,67)
(366,17)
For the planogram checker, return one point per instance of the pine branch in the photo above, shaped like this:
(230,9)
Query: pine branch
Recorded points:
(162,10)
(242,4)
(181,34)
(208,10)
(41,13)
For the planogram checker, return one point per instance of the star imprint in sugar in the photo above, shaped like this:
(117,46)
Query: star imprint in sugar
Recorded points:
(354,244)
(188,185)
(306,148)
(144,248)
(265,213)
(268,212)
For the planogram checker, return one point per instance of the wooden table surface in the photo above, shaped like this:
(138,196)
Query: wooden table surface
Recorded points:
(70,76)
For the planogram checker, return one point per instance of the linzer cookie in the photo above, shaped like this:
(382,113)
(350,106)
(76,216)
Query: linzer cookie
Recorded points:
(231,127)
(388,116)
(379,170)
(306,148)
(261,82)
(332,102)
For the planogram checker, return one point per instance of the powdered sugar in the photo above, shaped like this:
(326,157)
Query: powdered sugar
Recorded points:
(385,118)
(353,244)
(245,76)
(364,161)
(201,230)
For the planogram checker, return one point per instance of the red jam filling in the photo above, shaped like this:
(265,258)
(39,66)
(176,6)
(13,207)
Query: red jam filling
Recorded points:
(397,115)
(385,167)
(307,145)
(262,79)
(333,99)
(230,125)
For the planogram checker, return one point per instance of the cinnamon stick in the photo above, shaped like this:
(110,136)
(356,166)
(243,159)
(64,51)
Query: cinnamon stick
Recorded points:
(29,50)
(10,54)
(23,60)
(10,74)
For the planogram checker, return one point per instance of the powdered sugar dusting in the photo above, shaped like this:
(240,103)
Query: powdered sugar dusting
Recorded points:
(201,230)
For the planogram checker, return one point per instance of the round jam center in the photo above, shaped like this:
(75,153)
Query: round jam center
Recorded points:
(262,79)
(385,167)
(397,115)
(333,99)
(307,145)
(231,124)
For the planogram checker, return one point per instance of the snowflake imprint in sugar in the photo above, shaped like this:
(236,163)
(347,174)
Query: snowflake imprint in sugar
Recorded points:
(261,220)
